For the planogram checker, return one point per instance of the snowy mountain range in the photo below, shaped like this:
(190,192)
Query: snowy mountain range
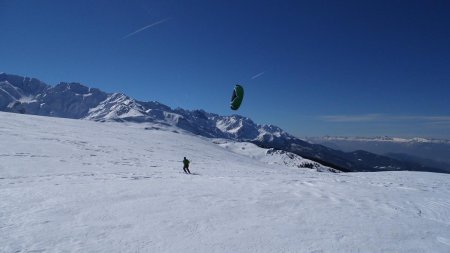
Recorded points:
(432,152)
(73,100)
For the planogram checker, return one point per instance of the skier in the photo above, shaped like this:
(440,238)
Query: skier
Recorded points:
(186,166)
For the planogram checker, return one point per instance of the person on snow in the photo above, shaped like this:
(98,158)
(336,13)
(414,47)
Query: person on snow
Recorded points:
(186,166)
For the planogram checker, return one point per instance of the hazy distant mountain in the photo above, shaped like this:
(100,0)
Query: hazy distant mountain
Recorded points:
(432,152)
(73,100)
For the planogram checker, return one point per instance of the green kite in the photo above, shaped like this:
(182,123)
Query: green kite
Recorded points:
(236,98)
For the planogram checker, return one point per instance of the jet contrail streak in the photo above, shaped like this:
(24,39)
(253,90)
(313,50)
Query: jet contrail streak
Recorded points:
(257,75)
(146,27)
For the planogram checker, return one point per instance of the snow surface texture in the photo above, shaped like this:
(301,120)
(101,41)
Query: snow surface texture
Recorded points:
(83,186)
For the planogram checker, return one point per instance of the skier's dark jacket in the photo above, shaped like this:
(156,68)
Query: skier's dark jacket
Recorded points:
(186,162)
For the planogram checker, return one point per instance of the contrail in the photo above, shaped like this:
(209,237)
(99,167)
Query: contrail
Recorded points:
(146,27)
(257,75)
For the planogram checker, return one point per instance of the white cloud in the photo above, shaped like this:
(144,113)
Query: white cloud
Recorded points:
(351,118)
(384,117)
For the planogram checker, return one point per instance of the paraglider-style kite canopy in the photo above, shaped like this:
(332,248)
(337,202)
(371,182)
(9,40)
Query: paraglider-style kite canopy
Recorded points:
(236,98)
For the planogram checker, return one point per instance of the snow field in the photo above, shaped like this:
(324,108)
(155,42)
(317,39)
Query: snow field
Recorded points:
(82,186)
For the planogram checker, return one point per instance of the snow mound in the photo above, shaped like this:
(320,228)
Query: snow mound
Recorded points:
(272,156)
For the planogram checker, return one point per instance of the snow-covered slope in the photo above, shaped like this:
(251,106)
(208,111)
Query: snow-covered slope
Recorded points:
(84,186)
(271,156)
(31,96)
(116,106)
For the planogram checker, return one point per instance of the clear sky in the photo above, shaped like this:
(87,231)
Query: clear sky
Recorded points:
(365,68)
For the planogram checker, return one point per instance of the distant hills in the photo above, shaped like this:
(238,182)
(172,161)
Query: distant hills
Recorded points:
(430,152)
(73,100)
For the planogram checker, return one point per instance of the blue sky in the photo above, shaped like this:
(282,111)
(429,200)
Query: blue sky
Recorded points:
(313,68)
